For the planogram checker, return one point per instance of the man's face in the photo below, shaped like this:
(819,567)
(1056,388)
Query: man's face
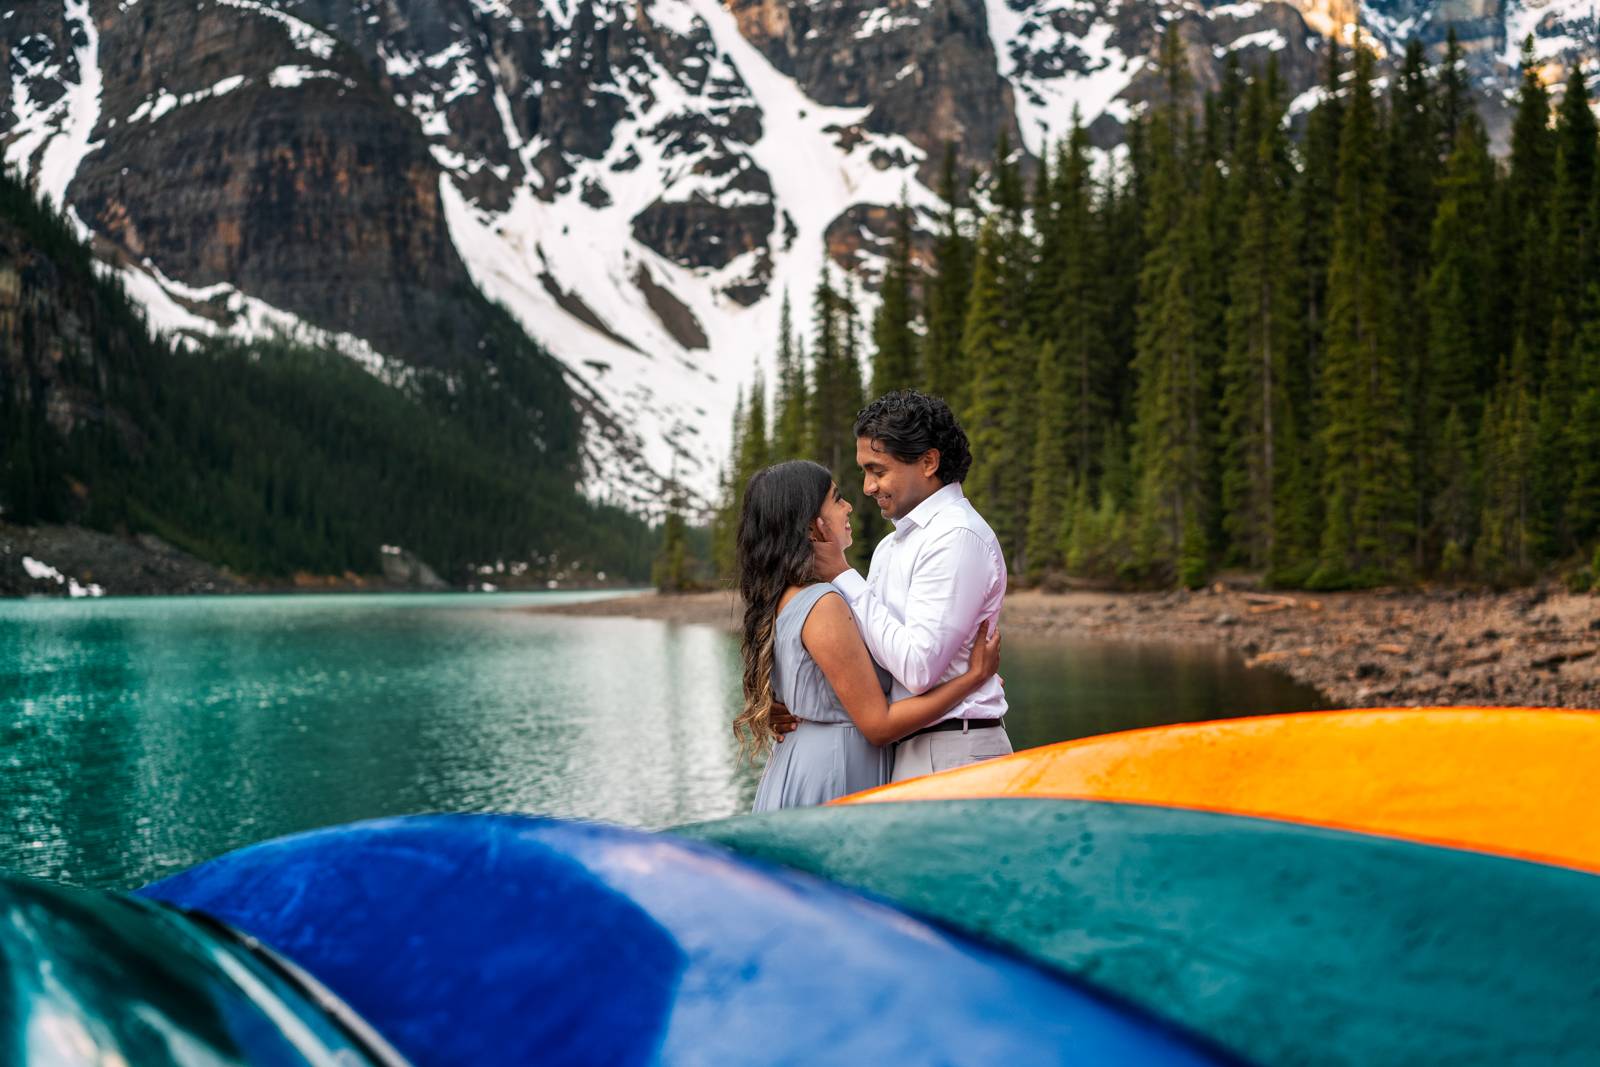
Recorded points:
(896,486)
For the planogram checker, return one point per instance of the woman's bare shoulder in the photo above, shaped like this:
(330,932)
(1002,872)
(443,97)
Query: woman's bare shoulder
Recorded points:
(829,621)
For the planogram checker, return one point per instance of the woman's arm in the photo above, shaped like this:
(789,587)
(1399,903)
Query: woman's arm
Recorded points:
(830,635)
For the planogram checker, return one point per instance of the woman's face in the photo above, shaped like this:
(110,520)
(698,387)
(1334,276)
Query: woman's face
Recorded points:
(835,518)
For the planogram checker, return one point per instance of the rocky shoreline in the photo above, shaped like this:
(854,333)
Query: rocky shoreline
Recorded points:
(1385,648)
(74,561)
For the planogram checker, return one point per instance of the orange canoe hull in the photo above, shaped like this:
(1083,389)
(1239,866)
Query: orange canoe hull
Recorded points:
(1514,781)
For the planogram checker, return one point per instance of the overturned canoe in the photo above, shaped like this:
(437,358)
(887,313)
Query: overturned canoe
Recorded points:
(1515,781)
(510,940)
(1287,943)
(98,979)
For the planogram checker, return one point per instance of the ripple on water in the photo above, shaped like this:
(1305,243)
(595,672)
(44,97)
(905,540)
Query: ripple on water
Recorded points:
(142,736)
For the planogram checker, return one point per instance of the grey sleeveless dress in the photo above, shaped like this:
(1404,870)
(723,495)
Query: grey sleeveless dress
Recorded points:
(826,756)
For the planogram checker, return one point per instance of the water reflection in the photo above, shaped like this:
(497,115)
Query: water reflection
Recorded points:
(1059,690)
(138,737)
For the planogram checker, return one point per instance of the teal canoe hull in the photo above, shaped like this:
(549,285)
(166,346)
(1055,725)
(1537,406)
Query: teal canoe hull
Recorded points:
(1289,944)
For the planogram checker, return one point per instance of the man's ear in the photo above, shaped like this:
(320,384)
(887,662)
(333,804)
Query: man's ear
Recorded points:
(928,463)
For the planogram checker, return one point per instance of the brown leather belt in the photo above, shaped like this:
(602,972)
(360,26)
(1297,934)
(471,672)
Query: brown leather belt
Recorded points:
(955,724)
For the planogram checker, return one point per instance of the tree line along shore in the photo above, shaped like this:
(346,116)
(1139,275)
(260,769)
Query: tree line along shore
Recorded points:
(1340,348)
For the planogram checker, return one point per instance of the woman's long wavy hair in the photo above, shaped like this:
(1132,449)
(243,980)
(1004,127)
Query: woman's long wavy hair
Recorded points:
(774,553)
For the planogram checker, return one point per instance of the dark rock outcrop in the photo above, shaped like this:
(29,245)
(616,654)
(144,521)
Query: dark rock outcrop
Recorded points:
(673,313)
(70,560)
(407,570)
(702,233)
(233,152)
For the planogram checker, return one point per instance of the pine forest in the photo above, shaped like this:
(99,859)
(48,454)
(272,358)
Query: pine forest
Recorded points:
(1347,350)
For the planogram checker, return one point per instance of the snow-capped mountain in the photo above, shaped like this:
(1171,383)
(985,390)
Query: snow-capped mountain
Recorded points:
(638,181)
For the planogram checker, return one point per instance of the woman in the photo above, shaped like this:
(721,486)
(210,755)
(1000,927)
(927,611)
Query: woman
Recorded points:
(801,648)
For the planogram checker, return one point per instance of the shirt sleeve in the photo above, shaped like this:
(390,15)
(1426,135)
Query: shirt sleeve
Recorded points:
(949,585)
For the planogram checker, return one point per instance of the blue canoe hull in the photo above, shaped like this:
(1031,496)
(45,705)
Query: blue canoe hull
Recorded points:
(509,940)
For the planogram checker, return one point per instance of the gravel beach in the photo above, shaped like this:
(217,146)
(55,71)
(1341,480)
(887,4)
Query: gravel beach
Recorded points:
(1384,648)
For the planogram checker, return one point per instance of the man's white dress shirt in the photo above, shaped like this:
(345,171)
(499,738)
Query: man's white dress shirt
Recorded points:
(930,583)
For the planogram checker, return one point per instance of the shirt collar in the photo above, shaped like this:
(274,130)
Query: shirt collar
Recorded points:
(924,512)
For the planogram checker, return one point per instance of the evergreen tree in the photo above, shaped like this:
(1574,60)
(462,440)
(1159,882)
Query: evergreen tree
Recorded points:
(755,446)
(1314,199)
(1312,205)
(1460,363)
(1051,491)
(1017,252)
(1226,110)
(1570,249)
(1010,193)
(1550,477)
(1046,253)
(1096,535)
(1263,500)
(670,572)
(790,432)
(725,521)
(1414,170)
(1503,549)
(1454,95)
(1172,373)
(1561,258)
(836,384)
(1582,513)
(894,363)
(870,525)
(1529,187)
(1457,293)
(1367,472)
(752,450)
(1120,249)
(1214,229)
(836,398)
(1074,275)
(993,348)
(946,292)
(1532,147)
(1453,514)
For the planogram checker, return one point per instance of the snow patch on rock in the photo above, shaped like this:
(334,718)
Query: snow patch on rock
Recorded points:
(49,142)
(304,36)
(1055,71)
(43,572)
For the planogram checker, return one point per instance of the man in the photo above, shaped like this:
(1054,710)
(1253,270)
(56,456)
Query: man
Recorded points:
(930,582)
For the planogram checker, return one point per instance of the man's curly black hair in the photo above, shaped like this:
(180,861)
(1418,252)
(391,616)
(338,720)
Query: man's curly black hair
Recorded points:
(908,423)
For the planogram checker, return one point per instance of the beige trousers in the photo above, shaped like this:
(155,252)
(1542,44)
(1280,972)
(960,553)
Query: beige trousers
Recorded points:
(931,753)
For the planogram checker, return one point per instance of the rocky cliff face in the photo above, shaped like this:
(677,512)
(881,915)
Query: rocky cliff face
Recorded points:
(638,181)
(258,153)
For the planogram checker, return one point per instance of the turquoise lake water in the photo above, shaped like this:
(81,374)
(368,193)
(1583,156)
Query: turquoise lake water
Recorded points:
(140,736)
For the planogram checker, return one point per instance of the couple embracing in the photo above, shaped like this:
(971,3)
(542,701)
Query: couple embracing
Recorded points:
(866,681)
